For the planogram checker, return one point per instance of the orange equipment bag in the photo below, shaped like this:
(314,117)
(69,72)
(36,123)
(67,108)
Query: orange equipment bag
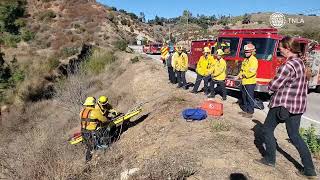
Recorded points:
(213,108)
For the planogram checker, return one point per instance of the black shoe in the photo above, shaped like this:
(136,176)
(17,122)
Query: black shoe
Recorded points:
(224,99)
(185,87)
(194,92)
(242,113)
(211,96)
(264,162)
(248,115)
(206,93)
(309,174)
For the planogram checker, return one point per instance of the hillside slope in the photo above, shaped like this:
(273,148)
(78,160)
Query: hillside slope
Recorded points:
(161,145)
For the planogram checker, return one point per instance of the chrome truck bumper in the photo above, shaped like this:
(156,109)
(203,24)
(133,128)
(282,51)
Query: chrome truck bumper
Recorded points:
(232,83)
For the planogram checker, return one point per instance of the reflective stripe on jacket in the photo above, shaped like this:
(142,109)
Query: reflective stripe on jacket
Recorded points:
(91,118)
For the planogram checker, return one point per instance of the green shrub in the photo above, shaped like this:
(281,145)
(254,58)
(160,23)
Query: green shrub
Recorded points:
(124,22)
(20,22)
(69,51)
(121,44)
(217,126)
(131,29)
(311,138)
(53,62)
(111,17)
(134,60)
(10,40)
(46,15)
(17,76)
(10,14)
(27,35)
(97,62)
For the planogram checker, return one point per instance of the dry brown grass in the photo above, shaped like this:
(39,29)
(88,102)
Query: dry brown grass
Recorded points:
(173,164)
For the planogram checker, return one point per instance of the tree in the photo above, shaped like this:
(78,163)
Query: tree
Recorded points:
(142,17)
(133,15)
(157,20)
(186,15)
(9,16)
(246,19)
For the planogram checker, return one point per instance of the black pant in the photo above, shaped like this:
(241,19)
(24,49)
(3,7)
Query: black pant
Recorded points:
(247,93)
(172,75)
(292,125)
(222,87)
(181,76)
(198,81)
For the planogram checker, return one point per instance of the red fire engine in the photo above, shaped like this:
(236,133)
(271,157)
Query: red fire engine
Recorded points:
(152,48)
(196,51)
(269,58)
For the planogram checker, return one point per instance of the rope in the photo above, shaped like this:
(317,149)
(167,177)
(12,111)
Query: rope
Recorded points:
(138,105)
(258,105)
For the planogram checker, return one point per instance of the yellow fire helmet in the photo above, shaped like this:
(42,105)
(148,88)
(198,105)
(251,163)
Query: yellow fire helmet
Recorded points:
(206,50)
(103,100)
(90,101)
(179,48)
(220,52)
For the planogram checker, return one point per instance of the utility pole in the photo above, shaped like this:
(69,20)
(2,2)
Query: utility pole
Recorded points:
(188,29)
(169,33)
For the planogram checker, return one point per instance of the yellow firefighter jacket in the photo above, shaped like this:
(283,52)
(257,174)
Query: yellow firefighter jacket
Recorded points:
(204,66)
(248,71)
(91,118)
(219,71)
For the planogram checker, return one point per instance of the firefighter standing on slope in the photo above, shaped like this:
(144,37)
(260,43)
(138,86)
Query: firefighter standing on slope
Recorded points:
(91,119)
(205,63)
(219,75)
(180,66)
(248,73)
(164,52)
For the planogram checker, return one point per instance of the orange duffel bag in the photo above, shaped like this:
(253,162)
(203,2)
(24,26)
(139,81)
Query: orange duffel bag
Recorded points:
(212,107)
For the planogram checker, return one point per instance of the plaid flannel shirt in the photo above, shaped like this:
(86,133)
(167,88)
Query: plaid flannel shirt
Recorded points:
(290,87)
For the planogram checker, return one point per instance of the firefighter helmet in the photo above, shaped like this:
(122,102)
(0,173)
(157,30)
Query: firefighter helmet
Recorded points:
(103,100)
(220,52)
(249,48)
(206,50)
(90,101)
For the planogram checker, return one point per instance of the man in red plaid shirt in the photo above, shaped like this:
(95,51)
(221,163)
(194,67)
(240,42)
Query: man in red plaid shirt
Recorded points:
(287,104)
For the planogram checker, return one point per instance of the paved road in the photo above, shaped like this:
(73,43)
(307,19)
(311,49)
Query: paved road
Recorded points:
(312,116)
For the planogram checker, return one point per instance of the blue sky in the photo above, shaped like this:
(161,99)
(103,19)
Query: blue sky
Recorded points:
(174,8)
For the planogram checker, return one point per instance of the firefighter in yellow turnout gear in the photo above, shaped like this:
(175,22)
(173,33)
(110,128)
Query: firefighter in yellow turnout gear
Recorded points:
(204,65)
(180,66)
(91,119)
(248,73)
(219,75)
(106,108)
(164,53)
